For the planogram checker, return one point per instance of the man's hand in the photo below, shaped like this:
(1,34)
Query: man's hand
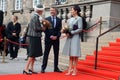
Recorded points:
(14,34)
(53,37)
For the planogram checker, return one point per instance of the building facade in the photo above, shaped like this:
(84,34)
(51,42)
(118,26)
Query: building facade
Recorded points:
(91,9)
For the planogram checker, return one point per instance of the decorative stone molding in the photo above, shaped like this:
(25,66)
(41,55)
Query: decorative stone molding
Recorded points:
(17,11)
(31,9)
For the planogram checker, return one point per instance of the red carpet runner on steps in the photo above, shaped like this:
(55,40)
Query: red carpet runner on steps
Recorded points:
(108,67)
(108,62)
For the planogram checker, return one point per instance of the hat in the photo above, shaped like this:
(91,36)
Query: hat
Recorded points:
(39,7)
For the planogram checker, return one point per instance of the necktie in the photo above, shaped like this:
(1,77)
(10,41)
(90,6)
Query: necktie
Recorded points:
(53,21)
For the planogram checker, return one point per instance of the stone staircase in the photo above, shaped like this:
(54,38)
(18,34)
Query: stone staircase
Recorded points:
(108,62)
(87,48)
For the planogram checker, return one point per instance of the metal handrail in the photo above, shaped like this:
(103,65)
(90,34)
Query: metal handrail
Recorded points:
(97,41)
(92,25)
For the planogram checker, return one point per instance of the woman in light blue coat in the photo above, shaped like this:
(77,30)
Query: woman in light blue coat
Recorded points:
(72,45)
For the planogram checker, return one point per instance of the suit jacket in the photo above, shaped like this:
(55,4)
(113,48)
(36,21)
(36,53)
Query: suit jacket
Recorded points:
(35,28)
(13,28)
(55,31)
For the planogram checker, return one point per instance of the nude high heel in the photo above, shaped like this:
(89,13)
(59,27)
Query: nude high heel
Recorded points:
(74,72)
(69,72)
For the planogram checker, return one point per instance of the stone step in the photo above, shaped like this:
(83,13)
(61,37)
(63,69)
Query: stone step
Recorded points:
(63,61)
(62,66)
(111,36)
(87,48)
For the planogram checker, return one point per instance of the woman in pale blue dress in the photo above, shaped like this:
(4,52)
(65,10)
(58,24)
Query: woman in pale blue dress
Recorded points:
(72,45)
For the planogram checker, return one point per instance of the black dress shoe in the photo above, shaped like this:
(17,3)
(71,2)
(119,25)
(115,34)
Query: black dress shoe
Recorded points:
(42,71)
(32,72)
(58,71)
(25,72)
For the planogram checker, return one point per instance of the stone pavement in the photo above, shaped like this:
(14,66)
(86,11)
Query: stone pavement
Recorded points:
(17,66)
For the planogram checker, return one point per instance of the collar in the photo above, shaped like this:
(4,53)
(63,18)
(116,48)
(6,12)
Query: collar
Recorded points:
(15,22)
(38,14)
(53,16)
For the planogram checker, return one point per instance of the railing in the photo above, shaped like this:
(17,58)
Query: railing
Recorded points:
(92,27)
(97,43)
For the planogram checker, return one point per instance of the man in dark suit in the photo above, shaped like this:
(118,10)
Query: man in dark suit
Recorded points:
(52,39)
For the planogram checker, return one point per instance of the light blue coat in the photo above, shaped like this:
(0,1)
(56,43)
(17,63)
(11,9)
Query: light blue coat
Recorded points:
(72,45)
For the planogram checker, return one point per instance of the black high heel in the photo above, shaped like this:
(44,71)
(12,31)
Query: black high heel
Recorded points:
(32,72)
(25,72)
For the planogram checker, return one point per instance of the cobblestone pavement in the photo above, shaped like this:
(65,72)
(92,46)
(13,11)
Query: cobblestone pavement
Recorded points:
(17,66)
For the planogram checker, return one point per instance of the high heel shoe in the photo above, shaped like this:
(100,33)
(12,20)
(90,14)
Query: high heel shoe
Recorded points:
(25,72)
(69,72)
(32,72)
(74,73)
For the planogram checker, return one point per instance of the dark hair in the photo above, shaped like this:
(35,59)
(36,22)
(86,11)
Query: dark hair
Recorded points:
(77,8)
(16,17)
(55,9)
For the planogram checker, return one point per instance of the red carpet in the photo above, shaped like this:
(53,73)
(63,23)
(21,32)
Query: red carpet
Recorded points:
(50,76)
(108,67)
(108,62)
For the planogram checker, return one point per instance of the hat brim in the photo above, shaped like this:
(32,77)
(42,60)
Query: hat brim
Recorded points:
(40,9)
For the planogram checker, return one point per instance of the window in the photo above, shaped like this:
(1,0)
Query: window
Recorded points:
(63,1)
(60,1)
(18,4)
(3,5)
(35,2)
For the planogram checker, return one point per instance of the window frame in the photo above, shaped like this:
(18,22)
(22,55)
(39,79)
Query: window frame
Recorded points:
(59,2)
(3,5)
(20,9)
(33,5)
(18,5)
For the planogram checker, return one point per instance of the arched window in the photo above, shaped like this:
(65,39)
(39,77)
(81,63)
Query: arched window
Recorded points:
(35,2)
(18,4)
(3,5)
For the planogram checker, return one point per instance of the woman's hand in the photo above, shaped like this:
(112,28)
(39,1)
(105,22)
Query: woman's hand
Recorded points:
(63,36)
(53,37)
(69,35)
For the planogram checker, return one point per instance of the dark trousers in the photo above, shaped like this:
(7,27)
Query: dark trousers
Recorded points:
(13,50)
(48,46)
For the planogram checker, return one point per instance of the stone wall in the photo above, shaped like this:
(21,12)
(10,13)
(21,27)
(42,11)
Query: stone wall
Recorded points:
(92,9)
